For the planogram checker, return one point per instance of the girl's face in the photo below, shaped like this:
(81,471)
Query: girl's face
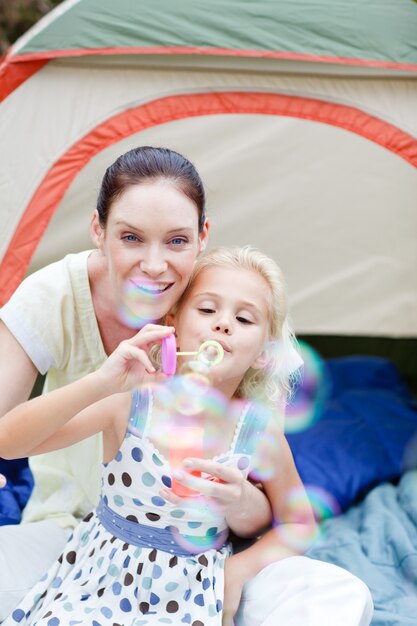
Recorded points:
(228,305)
(150,242)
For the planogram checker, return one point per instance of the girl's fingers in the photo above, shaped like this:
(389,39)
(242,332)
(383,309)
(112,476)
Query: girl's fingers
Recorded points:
(201,485)
(219,470)
(170,496)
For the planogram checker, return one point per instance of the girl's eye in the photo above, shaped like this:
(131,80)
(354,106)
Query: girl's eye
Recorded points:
(243,320)
(206,310)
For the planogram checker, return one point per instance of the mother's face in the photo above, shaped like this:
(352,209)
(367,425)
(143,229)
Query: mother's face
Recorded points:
(151,241)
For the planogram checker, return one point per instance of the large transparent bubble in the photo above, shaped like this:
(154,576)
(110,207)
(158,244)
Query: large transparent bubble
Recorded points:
(307,402)
(186,412)
(200,511)
(296,530)
(139,306)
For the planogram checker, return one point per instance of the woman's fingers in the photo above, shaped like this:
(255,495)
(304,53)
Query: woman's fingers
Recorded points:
(132,352)
(150,334)
(3,481)
(130,359)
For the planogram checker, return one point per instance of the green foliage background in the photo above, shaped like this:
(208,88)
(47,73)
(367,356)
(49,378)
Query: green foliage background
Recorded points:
(17,16)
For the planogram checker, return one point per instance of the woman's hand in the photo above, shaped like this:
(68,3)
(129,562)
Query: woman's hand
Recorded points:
(129,365)
(3,481)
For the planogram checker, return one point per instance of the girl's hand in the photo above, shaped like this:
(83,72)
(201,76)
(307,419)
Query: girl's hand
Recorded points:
(129,365)
(245,507)
(3,481)
(224,485)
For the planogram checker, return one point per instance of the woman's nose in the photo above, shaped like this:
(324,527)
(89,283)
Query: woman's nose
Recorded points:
(153,264)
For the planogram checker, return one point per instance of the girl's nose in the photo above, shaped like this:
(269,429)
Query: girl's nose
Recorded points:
(223,326)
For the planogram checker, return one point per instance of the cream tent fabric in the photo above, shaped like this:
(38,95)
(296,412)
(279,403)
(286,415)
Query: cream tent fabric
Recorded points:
(302,123)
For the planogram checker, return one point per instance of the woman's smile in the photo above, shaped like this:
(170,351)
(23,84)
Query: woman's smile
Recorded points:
(152,288)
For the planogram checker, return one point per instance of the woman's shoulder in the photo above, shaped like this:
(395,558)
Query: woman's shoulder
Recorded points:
(43,313)
(57,277)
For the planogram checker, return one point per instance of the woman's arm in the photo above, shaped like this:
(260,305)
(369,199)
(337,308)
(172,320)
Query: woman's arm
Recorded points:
(17,375)
(37,426)
(17,372)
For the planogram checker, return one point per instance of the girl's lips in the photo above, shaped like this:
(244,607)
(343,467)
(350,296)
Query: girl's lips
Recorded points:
(224,345)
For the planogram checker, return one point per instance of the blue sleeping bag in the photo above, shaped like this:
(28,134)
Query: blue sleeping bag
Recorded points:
(15,494)
(367,426)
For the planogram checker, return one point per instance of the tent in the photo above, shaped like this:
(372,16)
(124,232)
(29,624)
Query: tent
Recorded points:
(300,116)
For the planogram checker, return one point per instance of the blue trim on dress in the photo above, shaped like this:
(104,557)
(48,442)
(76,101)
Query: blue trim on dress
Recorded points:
(138,412)
(154,537)
(253,427)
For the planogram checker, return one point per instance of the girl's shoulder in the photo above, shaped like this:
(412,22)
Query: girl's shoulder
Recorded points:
(117,407)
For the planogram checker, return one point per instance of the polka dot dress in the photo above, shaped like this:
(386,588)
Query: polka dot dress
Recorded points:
(137,560)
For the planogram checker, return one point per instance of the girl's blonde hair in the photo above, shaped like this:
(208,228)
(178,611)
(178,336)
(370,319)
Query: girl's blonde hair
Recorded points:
(271,383)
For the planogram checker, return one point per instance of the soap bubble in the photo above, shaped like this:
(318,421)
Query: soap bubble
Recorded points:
(211,353)
(187,402)
(141,303)
(202,512)
(306,404)
(293,530)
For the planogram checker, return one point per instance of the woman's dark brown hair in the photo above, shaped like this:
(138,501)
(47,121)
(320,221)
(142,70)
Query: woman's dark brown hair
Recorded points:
(144,164)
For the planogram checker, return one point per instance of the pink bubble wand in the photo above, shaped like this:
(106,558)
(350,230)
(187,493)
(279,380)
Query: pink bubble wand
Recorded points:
(169,353)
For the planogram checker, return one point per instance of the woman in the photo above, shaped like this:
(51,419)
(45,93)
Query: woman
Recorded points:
(237,297)
(148,229)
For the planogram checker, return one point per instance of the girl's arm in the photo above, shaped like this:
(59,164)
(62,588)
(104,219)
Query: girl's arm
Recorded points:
(40,425)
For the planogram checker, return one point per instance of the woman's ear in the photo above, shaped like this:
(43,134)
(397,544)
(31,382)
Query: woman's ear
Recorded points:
(96,231)
(203,237)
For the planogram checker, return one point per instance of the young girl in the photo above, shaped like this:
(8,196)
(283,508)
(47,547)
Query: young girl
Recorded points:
(132,560)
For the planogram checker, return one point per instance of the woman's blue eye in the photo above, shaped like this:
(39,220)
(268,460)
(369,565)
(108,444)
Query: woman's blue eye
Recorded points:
(177,241)
(130,238)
